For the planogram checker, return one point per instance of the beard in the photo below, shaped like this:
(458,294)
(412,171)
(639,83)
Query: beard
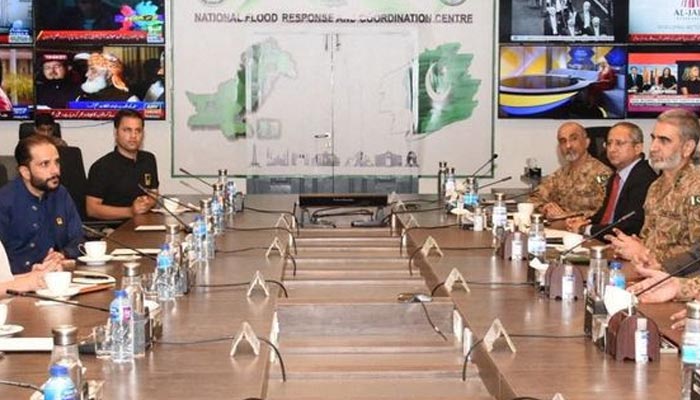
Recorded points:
(45,185)
(94,85)
(666,163)
(571,156)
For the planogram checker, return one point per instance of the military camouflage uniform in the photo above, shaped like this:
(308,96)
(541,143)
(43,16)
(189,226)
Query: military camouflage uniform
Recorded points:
(672,215)
(575,190)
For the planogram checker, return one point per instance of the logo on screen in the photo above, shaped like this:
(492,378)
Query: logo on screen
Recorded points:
(690,3)
(211,2)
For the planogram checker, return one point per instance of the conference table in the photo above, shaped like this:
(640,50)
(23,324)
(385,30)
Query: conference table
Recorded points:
(341,332)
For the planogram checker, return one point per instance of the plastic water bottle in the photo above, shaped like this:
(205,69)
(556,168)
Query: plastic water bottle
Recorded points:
(441,179)
(567,283)
(471,194)
(217,208)
(450,184)
(59,386)
(690,350)
(230,191)
(536,240)
(641,342)
(199,234)
(164,280)
(516,253)
(617,278)
(122,328)
(499,218)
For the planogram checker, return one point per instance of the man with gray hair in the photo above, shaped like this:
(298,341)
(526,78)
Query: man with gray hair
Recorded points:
(579,185)
(624,147)
(672,207)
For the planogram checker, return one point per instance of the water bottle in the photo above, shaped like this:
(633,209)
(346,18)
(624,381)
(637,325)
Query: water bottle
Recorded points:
(617,278)
(164,279)
(516,253)
(450,183)
(131,284)
(478,219)
(499,218)
(567,284)
(65,353)
(172,238)
(59,386)
(596,278)
(199,235)
(536,240)
(641,342)
(217,208)
(442,166)
(471,193)
(208,243)
(230,191)
(690,349)
(122,328)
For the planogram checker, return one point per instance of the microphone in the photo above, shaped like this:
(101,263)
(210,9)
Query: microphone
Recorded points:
(188,173)
(16,293)
(117,242)
(599,233)
(158,200)
(193,188)
(675,273)
(490,160)
(507,178)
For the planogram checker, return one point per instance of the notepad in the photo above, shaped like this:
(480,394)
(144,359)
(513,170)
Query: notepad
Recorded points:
(150,228)
(26,344)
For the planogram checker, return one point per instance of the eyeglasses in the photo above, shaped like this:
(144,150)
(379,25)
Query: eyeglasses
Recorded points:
(616,143)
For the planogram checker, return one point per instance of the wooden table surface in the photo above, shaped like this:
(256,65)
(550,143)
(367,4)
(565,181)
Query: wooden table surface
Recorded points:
(540,368)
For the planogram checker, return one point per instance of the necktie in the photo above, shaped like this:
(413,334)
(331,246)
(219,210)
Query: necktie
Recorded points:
(612,201)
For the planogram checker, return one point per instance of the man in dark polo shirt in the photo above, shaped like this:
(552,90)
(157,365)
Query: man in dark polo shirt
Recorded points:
(38,219)
(113,182)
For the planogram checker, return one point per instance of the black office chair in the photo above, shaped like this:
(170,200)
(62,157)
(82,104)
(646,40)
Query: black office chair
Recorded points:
(27,129)
(73,176)
(598,136)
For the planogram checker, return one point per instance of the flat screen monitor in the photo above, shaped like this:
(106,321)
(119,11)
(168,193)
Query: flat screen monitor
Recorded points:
(664,21)
(100,21)
(94,83)
(660,78)
(562,82)
(570,21)
(17,85)
(16,22)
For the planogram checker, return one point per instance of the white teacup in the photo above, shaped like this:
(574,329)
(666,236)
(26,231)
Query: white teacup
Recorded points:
(3,314)
(58,281)
(171,203)
(93,249)
(571,240)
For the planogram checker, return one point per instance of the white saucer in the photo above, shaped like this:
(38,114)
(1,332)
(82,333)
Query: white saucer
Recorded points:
(95,261)
(9,330)
(460,211)
(72,291)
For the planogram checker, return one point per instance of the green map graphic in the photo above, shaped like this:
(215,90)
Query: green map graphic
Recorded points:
(446,89)
(225,110)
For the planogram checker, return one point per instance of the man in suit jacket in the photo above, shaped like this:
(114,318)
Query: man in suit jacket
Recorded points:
(634,81)
(552,23)
(627,189)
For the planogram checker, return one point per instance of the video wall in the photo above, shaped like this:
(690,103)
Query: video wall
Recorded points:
(82,59)
(598,58)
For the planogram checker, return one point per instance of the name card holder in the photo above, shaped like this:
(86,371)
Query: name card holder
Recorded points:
(620,337)
(245,338)
(553,280)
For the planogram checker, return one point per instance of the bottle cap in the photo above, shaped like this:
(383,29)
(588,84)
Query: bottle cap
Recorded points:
(615,265)
(597,252)
(120,293)
(218,186)
(223,172)
(132,269)
(568,269)
(693,309)
(165,246)
(536,218)
(58,370)
(64,335)
(499,196)
(641,324)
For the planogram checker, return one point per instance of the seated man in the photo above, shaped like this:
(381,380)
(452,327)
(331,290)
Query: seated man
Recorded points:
(44,124)
(38,219)
(578,186)
(113,181)
(624,192)
(672,206)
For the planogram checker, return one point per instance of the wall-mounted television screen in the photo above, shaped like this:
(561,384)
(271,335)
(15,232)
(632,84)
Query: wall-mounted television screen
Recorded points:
(660,78)
(16,22)
(667,21)
(100,21)
(562,82)
(17,85)
(562,21)
(94,83)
